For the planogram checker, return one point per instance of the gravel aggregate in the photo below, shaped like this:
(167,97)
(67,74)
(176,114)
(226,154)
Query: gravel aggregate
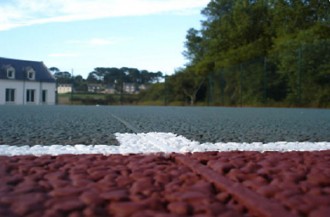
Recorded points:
(215,184)
(214,124)
(201,184)
(47,125)
(300,181)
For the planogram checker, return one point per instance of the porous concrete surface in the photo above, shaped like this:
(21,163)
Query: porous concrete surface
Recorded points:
(48,125)
(65,125)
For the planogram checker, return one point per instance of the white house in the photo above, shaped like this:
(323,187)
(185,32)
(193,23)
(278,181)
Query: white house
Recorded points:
(26,82)
(109,89)
(95,88)
(64,88)
(129,88)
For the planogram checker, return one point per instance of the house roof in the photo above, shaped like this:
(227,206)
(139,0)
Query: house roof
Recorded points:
(21,66)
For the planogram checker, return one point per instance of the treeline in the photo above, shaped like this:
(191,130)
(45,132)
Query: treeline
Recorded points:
(107,76)
(124,74)
(255,52)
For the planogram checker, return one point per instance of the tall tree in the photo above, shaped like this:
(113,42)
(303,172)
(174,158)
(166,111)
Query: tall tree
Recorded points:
(286,33)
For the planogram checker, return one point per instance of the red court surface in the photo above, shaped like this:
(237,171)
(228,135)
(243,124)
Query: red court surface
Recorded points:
(200,184)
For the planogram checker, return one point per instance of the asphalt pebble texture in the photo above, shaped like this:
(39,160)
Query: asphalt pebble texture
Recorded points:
(48,125)
(198,184)
(214,184)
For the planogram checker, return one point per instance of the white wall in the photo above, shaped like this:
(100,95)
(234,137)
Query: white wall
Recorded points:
(51,92)
(64,89)
(20,91)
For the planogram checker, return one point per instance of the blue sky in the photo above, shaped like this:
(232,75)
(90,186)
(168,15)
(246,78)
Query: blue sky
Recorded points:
(80,35)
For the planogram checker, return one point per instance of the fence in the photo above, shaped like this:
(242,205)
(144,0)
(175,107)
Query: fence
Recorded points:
(296,77)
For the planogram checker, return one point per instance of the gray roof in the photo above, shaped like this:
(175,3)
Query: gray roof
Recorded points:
(41,71)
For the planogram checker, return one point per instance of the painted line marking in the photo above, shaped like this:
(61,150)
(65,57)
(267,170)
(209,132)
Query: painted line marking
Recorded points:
(128,125)
(153,142)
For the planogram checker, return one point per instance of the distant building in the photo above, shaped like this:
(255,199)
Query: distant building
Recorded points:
(133,88)
(109,89)
(95,88)
(142,87)
(64,88)
(129,88)
(26,82)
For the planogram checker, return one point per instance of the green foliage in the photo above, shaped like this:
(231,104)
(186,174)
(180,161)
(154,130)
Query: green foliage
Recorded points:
(304,60)
(261,52)
(98,99)
(119,75)
(62,77)
(154,93)
(247,52)
(108,77)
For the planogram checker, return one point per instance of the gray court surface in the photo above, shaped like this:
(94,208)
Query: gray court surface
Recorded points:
(47,125)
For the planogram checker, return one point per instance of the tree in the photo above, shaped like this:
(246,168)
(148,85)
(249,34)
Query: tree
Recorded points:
(303,59)
(119,76)
(79,84)
(53,70)
(290,37)
(193,45)
(93,77)
(188,83)
(62,77)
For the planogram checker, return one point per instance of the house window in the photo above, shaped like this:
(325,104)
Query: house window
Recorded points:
(11,73)
(31,75)
(44,96)
(10,95)
(30,95)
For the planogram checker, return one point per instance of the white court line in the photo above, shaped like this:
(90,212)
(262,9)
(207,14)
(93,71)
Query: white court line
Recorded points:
(154,142)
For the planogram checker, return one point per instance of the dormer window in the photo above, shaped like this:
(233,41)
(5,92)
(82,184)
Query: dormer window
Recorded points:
(10,71)
(30,73)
